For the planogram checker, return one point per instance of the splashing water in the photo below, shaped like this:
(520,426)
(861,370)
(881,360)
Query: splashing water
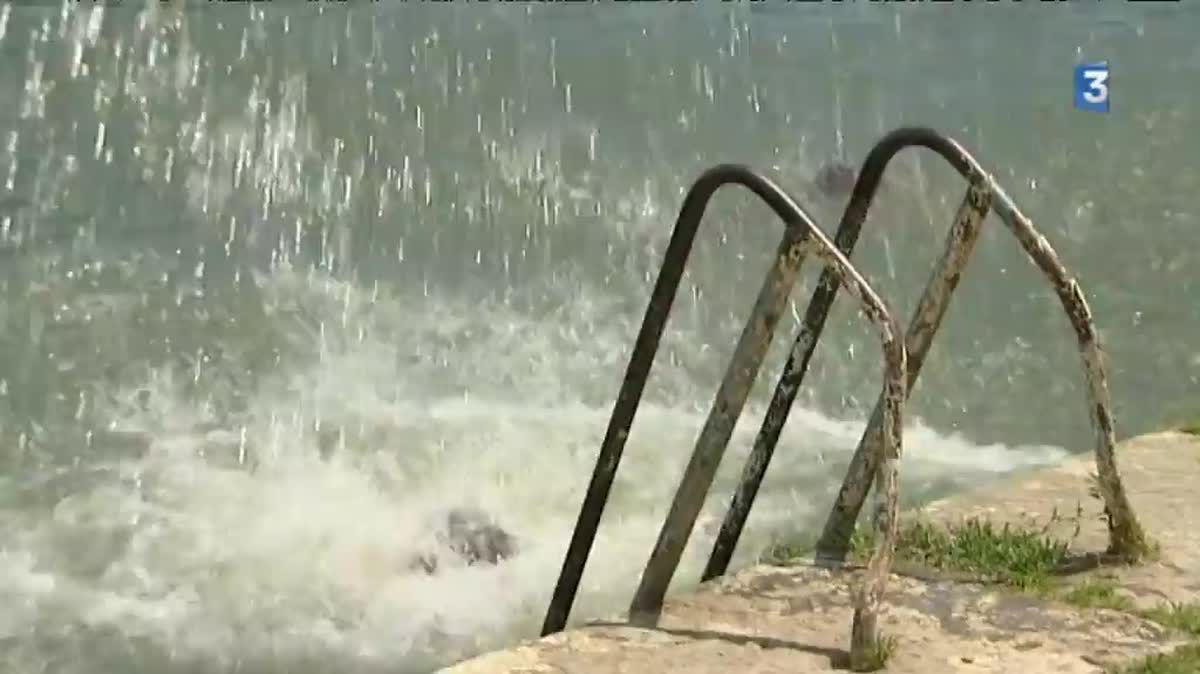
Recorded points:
(228,540)
(283,287)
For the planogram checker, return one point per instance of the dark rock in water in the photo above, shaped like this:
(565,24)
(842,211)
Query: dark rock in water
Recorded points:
(477,539)
(836,179)
(473,537)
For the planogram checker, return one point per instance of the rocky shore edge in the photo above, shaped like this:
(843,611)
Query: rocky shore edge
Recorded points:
(1008,578)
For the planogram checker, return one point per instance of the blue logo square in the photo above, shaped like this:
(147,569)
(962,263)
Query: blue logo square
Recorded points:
(1091,87)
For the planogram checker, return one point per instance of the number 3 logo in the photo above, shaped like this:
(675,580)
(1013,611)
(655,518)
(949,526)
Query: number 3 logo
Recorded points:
(1097,86)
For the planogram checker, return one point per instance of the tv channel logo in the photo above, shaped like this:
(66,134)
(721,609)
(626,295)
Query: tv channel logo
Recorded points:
(1091,87)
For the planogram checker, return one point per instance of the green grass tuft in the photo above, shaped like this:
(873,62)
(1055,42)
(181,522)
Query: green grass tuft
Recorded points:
(1182,617)
(1020,558)
(1097,593)
(878,654)
(1183,660)
(1024,559)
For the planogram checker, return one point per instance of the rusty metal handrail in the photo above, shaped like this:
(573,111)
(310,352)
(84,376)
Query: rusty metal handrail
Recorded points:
(876,458)
(801,236)
(1126,538)
(926,319)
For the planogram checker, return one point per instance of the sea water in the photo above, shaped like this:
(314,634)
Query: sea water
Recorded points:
(281,283)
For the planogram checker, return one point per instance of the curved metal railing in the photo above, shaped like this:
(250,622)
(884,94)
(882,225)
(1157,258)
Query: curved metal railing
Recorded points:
(876,457)
(1126,539)
(801,236)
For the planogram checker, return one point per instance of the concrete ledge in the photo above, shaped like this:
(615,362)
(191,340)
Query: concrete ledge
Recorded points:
(797,619)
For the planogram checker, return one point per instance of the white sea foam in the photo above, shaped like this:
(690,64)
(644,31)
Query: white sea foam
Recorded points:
(228,542)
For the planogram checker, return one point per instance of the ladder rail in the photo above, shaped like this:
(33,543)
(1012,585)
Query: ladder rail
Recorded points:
(800,234)
(1126,537)
(714,439)
(927,316)
(876,458)
(926,319)
(1127,540)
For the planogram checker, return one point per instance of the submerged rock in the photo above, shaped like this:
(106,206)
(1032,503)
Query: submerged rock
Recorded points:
(473,537)
(835,178)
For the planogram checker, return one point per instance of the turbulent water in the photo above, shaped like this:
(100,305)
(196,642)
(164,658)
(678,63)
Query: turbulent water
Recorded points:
(281,283)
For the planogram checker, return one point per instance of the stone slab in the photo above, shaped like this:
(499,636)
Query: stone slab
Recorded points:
(796,619)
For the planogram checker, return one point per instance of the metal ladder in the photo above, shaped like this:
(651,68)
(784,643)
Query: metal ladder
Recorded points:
(877,456)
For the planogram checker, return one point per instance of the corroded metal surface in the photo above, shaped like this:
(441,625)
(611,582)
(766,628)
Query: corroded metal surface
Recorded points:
(1126,537)
(645,347)
(718,428)
(924,324)
(886,454)
(926,319)
(744,366)
(801,237)
(876,459)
